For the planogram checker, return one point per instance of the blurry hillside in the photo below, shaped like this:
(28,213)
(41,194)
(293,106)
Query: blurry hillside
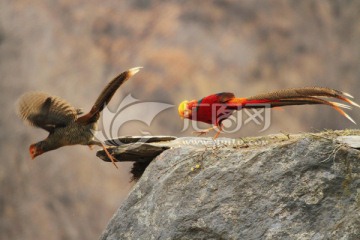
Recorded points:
(188,49)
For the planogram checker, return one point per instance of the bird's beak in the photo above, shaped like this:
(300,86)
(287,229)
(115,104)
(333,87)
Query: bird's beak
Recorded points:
(34,151)
(33,155)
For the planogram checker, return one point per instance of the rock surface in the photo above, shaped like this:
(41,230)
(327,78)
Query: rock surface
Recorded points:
(276,187)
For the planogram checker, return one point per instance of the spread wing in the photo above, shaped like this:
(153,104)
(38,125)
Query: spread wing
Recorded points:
(45,111)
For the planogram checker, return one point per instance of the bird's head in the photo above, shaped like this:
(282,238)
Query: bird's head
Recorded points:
(35,150)
(184,109)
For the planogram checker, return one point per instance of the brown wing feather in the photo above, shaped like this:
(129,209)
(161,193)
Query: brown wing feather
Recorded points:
(46,111)
(106,95)
(225,96)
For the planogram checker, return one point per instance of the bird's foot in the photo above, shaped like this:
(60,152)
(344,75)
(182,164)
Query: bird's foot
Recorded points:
(206,131)
(216,135)
(202,132)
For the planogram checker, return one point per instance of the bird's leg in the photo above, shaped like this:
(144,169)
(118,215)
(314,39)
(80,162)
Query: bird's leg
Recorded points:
(109,155)
(93,142)
(205,131)
(217,131)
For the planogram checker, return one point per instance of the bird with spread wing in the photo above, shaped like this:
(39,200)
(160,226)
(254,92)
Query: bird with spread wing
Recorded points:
(216,108)
(63,121)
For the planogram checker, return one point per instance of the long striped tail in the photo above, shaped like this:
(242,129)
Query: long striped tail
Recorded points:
(297,96)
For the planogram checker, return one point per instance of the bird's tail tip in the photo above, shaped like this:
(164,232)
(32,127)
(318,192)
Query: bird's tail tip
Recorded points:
(346,99)
(337,106)
(347,94)
(348,117)
(353,103)
(133,71)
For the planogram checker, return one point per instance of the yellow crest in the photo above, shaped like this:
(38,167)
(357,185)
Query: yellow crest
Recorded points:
(182,107)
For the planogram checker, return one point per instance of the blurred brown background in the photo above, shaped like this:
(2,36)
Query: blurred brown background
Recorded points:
(188,49)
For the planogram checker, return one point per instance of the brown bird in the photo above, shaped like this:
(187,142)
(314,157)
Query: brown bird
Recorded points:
(62,120)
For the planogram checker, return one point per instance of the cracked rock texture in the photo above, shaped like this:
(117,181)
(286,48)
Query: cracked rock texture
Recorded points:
(304,187)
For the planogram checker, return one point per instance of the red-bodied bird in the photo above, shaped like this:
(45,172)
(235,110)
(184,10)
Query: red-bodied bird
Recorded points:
(216,108)
(61,119)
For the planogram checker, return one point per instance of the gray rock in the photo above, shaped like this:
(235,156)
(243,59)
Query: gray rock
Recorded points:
(276,187)
(352,141)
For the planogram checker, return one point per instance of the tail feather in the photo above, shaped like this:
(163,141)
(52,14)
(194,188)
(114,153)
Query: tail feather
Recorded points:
(347,94)
(352,102)
(348,117)
(303,92)
(106,95)
(341,105)
(301,96)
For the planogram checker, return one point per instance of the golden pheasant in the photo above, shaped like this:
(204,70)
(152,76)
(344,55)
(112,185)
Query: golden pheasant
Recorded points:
(216,108)
(62,120)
